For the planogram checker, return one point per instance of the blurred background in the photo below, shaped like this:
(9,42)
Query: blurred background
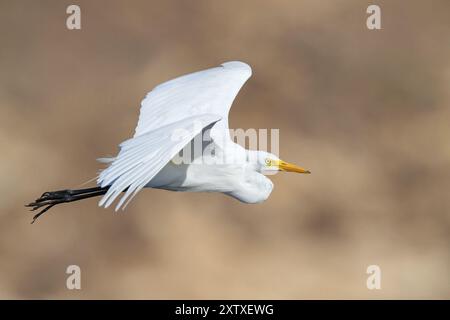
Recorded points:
(367,111)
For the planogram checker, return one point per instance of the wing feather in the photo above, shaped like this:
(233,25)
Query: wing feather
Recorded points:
(208,91)
(141,158)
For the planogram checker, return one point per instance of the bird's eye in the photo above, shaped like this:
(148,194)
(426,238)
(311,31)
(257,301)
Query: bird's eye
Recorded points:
(268,162)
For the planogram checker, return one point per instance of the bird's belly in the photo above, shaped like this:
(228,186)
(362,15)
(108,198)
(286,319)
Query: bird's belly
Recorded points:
(246,187)
(191,177)
(170,177)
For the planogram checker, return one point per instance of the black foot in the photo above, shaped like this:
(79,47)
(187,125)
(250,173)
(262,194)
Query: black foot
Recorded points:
(52,198)
(48,200)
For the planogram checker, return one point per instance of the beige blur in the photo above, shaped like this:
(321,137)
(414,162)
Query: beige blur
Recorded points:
(366,111)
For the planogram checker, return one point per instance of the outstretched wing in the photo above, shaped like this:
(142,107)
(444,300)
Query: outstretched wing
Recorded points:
(209,91)
(179,108)
(141,158)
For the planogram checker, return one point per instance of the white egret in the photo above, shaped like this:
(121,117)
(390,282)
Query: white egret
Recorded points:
(190,105)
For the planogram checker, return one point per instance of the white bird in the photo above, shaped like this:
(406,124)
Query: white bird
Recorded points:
(172,115)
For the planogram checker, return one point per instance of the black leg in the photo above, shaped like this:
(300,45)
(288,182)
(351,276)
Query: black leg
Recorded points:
(52,198)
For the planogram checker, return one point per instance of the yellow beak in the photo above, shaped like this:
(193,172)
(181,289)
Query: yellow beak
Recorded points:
(289,167)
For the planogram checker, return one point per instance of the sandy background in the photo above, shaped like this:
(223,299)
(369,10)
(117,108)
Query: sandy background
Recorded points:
(367,111)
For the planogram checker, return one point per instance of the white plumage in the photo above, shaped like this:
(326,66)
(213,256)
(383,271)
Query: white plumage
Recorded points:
(171,115)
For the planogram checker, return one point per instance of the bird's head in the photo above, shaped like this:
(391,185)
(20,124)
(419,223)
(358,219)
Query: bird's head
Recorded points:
(268,163)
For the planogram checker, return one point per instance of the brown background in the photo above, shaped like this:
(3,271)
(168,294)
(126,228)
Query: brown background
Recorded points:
(367,111)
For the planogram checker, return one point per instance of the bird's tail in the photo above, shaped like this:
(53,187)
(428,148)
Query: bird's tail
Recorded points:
(52,198)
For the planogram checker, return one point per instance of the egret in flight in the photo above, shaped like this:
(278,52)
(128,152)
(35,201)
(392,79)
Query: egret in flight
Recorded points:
(172,115)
